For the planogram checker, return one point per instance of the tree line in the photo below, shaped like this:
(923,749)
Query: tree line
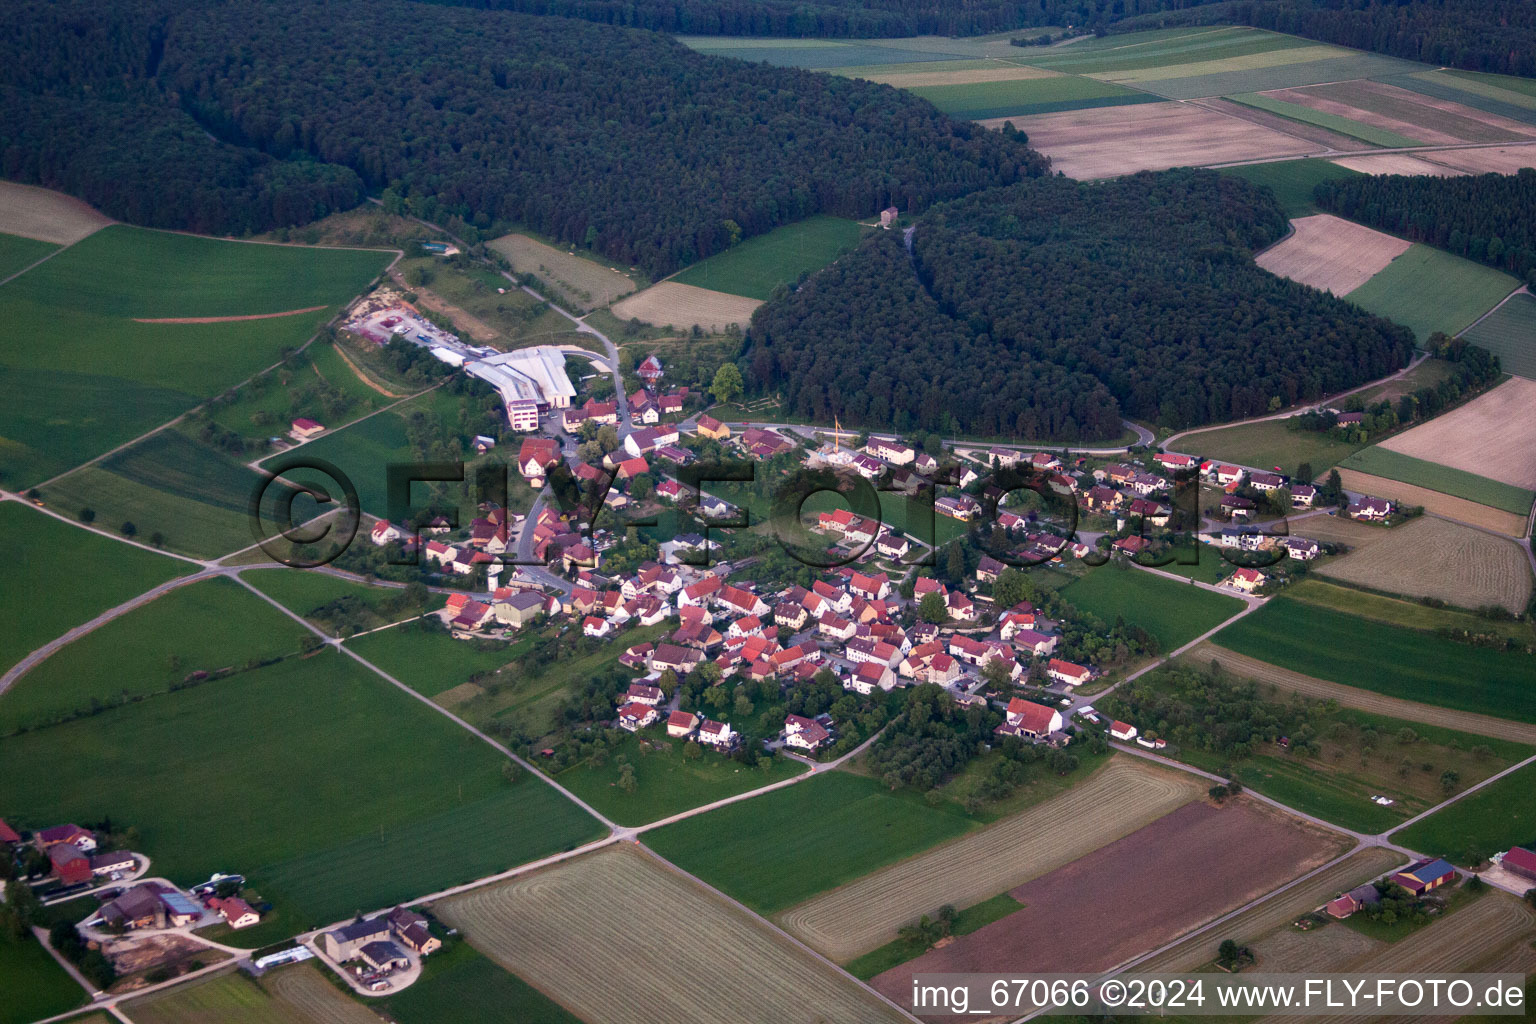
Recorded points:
(1490,218)
(235,116)
(1049,309)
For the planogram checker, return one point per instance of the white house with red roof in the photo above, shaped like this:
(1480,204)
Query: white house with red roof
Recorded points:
(804,733)
(1247,580)
(634,716)
(595,627)
(871,676)
(304,428)
(681,724)
(643,693)
(1122,731)
(1067,673)
(717,734)
(1173,460)
(1026,718)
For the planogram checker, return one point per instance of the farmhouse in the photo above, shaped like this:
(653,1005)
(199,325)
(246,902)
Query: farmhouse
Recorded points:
(413,931)
(1520,861)
(112,862)
(305,428)
(804,733)
(68,864)
(634,717)
(1067,673)
(871,676)
(81,839)
(1370,508)
(717,734)
(150,905)
(236,912)
(643,693)
(1425,875)
(1122,731)
(1026,718)
(536,455)
(681,724)
(708,426)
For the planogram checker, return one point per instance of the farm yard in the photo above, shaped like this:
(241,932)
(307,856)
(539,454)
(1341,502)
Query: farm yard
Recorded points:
(439,809)
(1509,332)
(784,847)
(755,267)
(1386,462)
(1430,290)
(1174,613)
(1121,797)
(1435,558)
(46,215)
(1110,141)
(1490,436)
(585,933)
(1147,887)
(292,995)
(575,280)
(1330,253)
(39,603)
(1496,817)
(684,306)
(1440,503)
(1415,666)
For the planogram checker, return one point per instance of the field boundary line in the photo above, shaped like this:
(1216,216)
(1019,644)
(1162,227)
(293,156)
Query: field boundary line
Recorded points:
(336,643)
(1499,305)
(350,423)
(1464,793)
(45,259)
(780,932)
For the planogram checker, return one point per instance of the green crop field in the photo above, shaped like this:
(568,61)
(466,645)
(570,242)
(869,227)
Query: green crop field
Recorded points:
(38,602)
(1209,568)
(1333,122)
(34,984)
(17,253)
(1270,443)
(1162,48)
(757,266)
(1292,181)
(91,376)
(811,54)
(324,785)
(1430,290)
(203,626)
(1493,819)
(1509,332)
(1386,659)
(1173,612)
(431,661)
(782,848)
(316,596)
(1409,470)
(459,984)
(195,497)
(981,100)
(1282,76)
(666,782)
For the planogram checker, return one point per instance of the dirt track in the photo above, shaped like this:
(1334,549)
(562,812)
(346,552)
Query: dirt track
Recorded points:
(1364,700)
(223,319)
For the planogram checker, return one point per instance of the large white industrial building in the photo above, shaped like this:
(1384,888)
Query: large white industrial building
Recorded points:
(531,380)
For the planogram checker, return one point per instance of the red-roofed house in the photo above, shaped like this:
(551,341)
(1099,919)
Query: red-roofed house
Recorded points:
(717,734)
(536,455)
(1026,718)
(804,733)
(236,912)
(633,717)
(1067,673)
(69,865)
(871,676)
(1247,580)
(681,724)
(305,428)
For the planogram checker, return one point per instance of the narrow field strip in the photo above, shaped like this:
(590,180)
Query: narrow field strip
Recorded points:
(223,319)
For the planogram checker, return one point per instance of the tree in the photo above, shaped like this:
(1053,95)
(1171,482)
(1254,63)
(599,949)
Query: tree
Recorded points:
(309,643)
(1449,779)
(1012,586)
(995,672)
(87,515)
(627,778)
(727,384)
(692,751)
(1227,952)
(510,771)
(608,437)
(128,529)
(932,608)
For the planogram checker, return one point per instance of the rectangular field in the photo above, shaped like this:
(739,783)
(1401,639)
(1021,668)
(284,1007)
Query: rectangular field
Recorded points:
(369,797)
(1222,65)
(459,984)
(1388,659)
(618,937)
(1281,103)
(1491,436)
(784,847)
(429,661)
(1292,181)
(984,101)
(1175,613)
(815,54)
(290,995)
(45,215)
(960,72)
(1430,290)
(1110,141)
(755,267)
(1379,460)
(1134,894)
(1447,561)
(1331,254)
(1120,798)
(575,280)
(1437,502)
(1509,332)
(1395,163)
(1285,76)
(1496,817)
(1170,48)
(1435,121)
(684,306)
(38,603)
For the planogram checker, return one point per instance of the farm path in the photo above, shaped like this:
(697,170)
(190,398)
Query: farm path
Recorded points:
(39,262)
(399,400)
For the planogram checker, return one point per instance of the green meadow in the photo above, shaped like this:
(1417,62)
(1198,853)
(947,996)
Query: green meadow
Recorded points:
(757,266)
(1175,613)
(1430,290)
(17,253)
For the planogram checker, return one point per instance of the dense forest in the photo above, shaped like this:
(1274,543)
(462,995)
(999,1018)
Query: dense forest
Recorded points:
(1490,218)
(1049,309)
(238,115)
(1479,35)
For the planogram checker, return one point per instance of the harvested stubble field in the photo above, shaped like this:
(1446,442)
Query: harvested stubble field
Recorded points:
(1288,681)
(1493,436)
(1277,912)
(1448,505)
(1283,103)
(1121,797)
(1330,253)
(46,215)
(1436,121)
(292,995)
(1437,558)
(1493,160)
(1156,883)
(619,937)
(576,280)
(670,304)
(1285,126)
(1485,932)
(1396,163)
(1109,141)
